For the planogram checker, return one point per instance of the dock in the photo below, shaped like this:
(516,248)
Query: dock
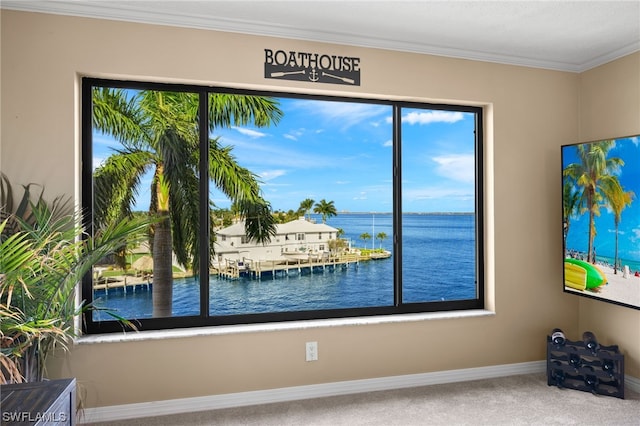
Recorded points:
(125,283)
(256,269)
(232,270)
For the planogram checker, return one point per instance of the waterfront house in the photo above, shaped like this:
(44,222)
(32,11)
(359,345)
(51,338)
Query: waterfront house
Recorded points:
(297,239)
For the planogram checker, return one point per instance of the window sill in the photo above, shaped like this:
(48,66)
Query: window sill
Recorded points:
(280,326)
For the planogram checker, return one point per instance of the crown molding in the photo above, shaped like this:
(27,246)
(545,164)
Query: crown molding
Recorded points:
(129,12)
(611,56)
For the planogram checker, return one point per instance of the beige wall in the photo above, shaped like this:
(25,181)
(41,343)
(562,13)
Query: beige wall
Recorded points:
(610,107)
(531,112)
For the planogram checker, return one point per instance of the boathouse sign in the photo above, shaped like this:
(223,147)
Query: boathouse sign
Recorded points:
(313,67)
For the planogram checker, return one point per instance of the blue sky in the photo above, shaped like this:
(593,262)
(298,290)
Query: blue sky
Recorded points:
(342,152)
(628,149)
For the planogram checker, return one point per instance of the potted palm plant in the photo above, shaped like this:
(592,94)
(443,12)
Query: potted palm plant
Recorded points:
(44,254)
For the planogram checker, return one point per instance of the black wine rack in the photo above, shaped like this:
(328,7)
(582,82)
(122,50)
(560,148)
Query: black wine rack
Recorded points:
(574,366)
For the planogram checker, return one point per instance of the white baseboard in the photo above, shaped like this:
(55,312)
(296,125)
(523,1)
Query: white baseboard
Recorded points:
(213,402)
(632,383)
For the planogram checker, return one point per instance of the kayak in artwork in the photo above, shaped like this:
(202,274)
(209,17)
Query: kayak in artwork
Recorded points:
(582,275)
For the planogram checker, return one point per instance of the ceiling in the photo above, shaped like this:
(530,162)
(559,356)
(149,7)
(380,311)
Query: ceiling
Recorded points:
(561,35)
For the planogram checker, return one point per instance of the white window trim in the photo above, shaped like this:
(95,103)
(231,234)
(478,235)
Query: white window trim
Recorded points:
(181,333)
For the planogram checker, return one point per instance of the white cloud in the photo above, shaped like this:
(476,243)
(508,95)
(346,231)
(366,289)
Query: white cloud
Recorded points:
(429,117)
(249,132)
(388,143)
(252,154)
(346,114)
(272,185)
(459,167)
(271,174)
(294,135)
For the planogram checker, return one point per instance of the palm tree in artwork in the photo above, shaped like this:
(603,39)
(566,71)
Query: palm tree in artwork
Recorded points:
(596,181)
(618,201)
(159,133)
(326,209)
(570,203)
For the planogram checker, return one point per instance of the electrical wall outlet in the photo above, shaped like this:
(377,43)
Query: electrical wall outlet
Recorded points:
(312,351)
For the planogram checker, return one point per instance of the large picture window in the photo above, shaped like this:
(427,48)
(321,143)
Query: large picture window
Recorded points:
(276,207)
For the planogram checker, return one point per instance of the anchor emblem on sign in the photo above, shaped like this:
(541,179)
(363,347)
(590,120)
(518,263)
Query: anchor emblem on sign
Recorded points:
(313,75)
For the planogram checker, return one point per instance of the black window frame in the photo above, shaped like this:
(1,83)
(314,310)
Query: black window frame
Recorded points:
(91,326)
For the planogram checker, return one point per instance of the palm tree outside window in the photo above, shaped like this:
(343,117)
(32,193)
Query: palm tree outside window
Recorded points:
(159,132)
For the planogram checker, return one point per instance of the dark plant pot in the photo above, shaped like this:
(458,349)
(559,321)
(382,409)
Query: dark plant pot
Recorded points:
(32,368)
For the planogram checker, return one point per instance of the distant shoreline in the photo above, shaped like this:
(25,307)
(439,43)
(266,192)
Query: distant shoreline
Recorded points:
(413,213)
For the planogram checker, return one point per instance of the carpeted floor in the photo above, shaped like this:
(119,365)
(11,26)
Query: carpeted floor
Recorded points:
(514,400)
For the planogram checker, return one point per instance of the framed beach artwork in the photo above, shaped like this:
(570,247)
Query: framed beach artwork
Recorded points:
(601,220)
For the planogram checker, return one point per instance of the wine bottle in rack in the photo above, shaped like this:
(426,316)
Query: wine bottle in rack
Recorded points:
(590,342)
(575,361)
(609,366)
(557,337)
(591,380)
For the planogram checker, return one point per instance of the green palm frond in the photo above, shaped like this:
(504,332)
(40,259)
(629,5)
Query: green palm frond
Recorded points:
(116,184)
(40,267)
(117,113)
(226,110)
(260,224)
(236,182)
(325,209)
